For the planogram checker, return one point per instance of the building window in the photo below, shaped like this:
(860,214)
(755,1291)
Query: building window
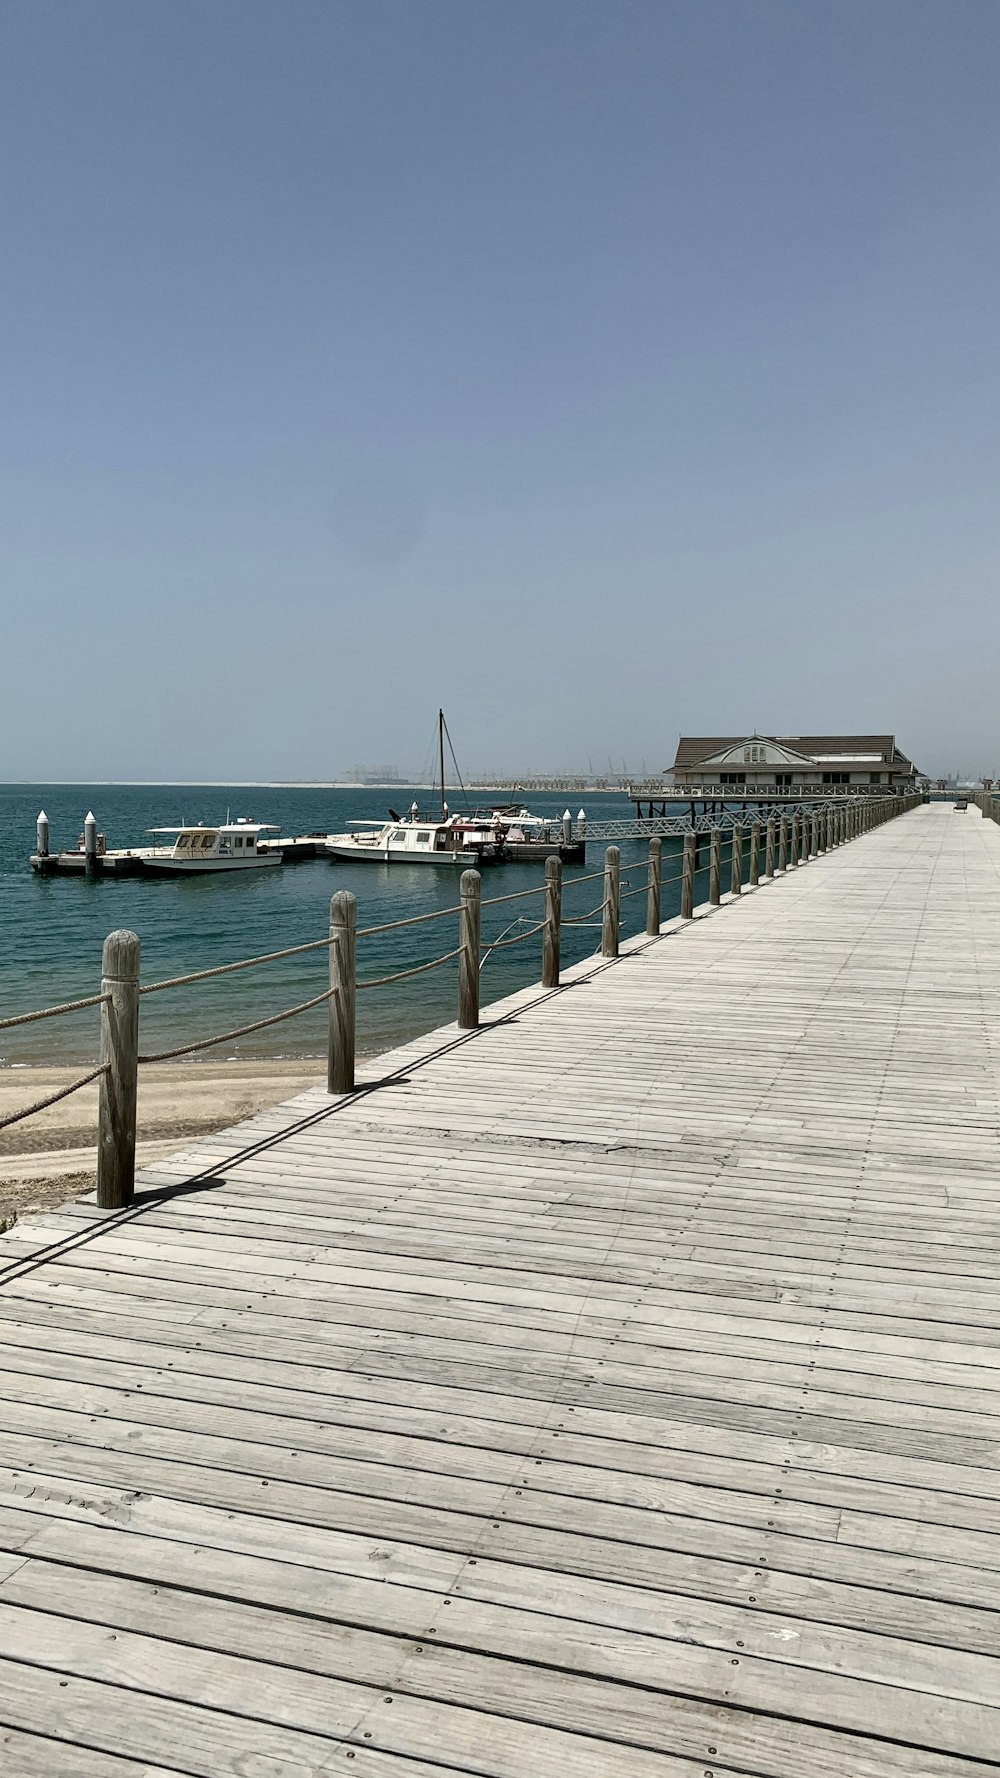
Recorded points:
(837,778)
(732,777)
(782,780)
(753,756)
(874,777)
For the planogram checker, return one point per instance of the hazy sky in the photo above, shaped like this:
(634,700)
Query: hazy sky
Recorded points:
(599,371)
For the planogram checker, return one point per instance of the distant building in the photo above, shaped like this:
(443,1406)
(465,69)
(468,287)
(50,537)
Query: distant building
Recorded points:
(784,762)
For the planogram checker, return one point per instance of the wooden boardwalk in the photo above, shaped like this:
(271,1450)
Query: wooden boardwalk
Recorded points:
(612,1393)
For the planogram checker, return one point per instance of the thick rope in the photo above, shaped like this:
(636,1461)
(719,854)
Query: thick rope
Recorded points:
(500,944)
(578,919)
(52,1012)
(16,1117)
(402,975)
(202,975)
(414,920)
(205,1043)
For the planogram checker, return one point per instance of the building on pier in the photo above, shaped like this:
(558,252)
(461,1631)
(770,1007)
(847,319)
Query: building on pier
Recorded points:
(775,763)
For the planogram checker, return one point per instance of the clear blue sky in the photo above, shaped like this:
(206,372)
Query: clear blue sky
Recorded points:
(599,371)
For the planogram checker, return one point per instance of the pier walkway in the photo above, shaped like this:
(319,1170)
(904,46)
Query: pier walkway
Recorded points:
(611,1392)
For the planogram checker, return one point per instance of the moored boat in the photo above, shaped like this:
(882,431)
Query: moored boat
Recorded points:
(415,839)
(232,846)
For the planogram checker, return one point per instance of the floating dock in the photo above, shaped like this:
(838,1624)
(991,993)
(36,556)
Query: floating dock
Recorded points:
(614,1391)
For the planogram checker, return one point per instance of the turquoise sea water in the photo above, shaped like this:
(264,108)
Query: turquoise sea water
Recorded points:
(52,928)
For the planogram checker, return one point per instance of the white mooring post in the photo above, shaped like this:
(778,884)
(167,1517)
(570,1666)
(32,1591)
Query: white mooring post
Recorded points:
(343,992)
(90,838)
(468,955)
(42,834)
(553,923)
(581,824)
(567,826)
(120,1061)
(612,902)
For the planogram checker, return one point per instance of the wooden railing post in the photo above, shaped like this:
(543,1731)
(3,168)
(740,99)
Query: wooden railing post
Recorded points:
(783,843)
(817,848)
(736,862)
(468,956)
(769,848)
(754,854)
(687,877)
(343,993)
(120,1061)
(655,882)
(553,923)
(612,902)
(715,867)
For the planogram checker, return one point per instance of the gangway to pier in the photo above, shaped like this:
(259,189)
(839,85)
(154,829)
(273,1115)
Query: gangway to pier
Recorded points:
(703,820)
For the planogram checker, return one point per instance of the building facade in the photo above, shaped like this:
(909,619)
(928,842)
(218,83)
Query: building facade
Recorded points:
(791,762)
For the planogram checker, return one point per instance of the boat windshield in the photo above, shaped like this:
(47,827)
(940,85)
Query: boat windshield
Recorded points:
(198,839)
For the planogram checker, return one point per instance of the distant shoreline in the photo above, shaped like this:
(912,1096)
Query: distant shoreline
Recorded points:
(512,784)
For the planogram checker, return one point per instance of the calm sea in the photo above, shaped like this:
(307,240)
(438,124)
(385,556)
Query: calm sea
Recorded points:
(52,928)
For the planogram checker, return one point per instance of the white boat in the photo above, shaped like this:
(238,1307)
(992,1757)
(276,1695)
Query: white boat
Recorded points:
(481,836)
(414,839)
(233,846)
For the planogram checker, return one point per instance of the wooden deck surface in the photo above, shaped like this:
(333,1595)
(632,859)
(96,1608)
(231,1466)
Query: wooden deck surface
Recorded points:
(612,1393)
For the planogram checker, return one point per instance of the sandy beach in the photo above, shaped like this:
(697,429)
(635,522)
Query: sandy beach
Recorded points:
(52,1156)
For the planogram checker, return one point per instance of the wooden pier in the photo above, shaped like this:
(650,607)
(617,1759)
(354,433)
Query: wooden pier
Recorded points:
(612,1391)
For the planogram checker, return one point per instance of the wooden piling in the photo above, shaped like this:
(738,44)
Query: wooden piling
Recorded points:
(343,993)
(553,923)
(736,862)
(687,877)
(715,867)
(468,956)
(769,847)
(120,1061)
(612,902)
(783,843)
(754,854)
(654,891)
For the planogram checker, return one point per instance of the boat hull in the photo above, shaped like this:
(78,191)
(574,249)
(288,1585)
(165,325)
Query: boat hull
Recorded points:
(197,867)
(345,851)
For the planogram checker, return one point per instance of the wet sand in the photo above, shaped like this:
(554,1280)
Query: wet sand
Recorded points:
(52,1156)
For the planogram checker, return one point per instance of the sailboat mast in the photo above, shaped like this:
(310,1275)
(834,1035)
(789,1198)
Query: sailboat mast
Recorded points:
(441,751)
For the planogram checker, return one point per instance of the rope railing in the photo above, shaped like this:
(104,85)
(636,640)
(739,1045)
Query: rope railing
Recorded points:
(17,1117)
(204,975)
(207,1043)
(52,1012)
(502,943)
(766,848)
(402,975)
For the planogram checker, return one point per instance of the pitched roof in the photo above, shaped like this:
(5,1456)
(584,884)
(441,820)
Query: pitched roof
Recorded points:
(693,749)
